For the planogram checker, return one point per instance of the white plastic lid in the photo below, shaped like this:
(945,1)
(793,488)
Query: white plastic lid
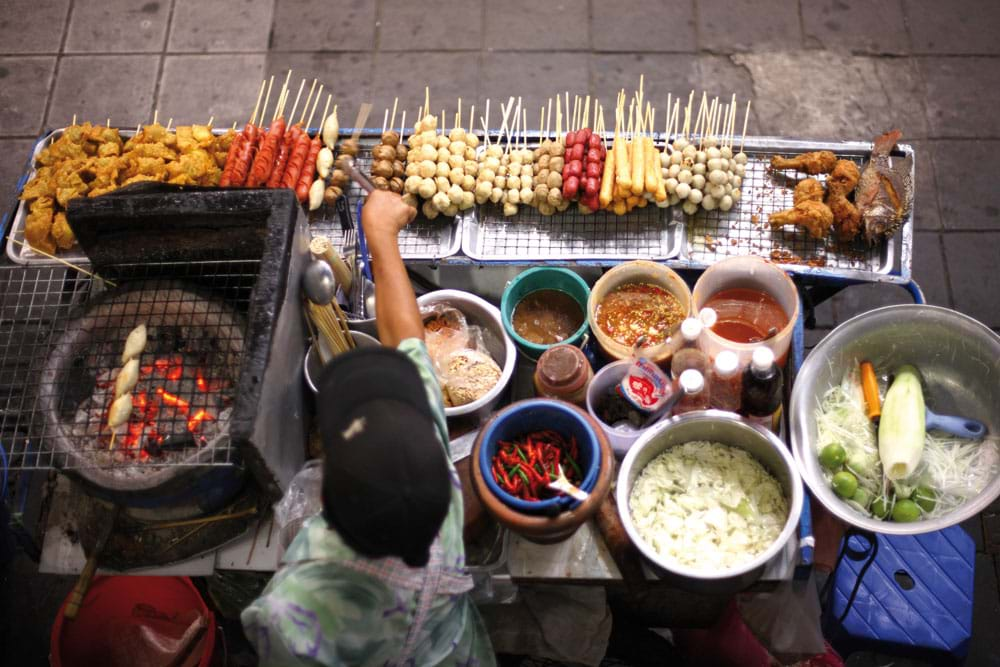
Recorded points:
(762,359)
(708,317)
(727,363)
(691,329)
(692,381)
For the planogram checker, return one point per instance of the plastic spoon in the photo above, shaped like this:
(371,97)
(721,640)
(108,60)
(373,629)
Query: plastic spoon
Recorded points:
(560,483)
(962,427)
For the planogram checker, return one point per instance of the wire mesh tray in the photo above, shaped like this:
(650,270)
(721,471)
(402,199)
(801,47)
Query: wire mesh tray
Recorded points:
(422,239)
(711,236)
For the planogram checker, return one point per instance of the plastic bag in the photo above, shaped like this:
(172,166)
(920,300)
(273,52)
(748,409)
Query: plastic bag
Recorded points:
(302,500)
(786,620)
(458,351)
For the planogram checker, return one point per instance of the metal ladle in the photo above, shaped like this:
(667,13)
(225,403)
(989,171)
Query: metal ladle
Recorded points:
(319,283)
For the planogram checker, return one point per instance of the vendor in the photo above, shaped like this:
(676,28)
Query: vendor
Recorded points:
(378,578)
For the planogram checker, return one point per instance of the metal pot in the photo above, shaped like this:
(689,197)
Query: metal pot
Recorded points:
(483,314)
(728,429)
(959,360)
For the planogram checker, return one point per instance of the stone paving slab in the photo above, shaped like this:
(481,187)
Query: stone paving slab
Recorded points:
(405,25)
(929,269)
(224,86)
(956,103)
(859,26)
(24,88)
(762,25)
(32,26)
(927,214)
(321,25)
(856,98)
(636,25)
(967,191)
(96,88)
(347,76)
(975,282)
(953,27)
(529,25)
(531,76)
(221,25)
(664,73)
(16,153)
(392,77)
(108,26)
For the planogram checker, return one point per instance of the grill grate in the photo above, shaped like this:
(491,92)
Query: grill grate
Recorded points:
(644,233)
(39,312)
(744,230)
(422,239)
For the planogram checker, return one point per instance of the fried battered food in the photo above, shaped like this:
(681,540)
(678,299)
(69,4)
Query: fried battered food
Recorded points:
(843,179)
(814,216)
(846,217)
(92,160)
(808,189)
(816,162)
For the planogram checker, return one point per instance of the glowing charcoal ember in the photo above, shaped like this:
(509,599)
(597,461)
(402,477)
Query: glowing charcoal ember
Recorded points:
(197,419)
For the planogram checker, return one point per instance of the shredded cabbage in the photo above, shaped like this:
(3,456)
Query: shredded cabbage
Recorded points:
(955,469)
(707,506)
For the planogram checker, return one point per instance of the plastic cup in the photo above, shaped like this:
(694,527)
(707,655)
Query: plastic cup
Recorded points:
(621,438)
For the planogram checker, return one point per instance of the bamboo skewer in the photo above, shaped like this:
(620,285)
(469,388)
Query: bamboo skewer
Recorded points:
(746,117)
(63,262)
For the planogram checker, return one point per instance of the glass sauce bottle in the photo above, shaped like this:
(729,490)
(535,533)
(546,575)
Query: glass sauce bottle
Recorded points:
(760,398)
(695,394)
(724,382)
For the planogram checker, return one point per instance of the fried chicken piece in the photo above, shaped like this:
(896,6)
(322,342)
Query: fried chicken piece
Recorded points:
(846,217)
(151,150)
(843,179)
(808,189)
(62,233)
(814,216)
(38,225)
(816,162)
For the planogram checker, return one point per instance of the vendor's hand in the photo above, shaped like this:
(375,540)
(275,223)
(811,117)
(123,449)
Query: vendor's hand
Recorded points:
(383,216)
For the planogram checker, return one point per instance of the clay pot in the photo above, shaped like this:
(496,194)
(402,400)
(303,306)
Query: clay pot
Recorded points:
(540,528)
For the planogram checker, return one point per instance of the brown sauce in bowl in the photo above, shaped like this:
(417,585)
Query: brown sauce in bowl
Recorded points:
(746,315)
(547,317)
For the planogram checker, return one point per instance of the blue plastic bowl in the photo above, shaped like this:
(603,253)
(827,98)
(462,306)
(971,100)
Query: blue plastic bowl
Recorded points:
(538,414)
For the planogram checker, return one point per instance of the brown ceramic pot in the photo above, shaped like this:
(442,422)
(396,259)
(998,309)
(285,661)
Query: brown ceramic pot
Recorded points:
(546,529)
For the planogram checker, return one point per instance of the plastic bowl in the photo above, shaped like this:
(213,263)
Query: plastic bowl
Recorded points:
(638,271)
(536,415)
(959,361)
(533,280)
(727,429)
(750,273)
(481,313)
(621,438)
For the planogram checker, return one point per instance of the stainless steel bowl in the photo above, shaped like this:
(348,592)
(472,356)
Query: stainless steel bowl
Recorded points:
(959,360)
(483,314)
(728,429)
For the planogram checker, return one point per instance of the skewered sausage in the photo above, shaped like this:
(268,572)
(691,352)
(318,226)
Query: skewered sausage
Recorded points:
(263,164)
(298,158)
(284,151)
(308,170)
(227,171)
(247,151)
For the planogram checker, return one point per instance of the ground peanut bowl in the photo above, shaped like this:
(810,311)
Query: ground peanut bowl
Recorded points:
(959,361)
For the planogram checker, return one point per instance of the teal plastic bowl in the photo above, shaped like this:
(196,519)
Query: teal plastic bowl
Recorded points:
(539,278)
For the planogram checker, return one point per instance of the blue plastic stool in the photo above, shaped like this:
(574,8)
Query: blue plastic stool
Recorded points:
(914,600)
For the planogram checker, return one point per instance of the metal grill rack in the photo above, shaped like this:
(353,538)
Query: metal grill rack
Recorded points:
(40,304)
(713,235)
(644,233)
(423,239)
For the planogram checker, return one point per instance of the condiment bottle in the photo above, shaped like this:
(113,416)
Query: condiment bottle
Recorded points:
(695,394)
(724,382)
(689,356)
(760,399)
(563,373)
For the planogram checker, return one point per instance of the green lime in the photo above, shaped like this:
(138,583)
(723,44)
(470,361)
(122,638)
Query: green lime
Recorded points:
(905,511)
(862,497)
(880,507)
(925,497)
(832,456)
(845,484)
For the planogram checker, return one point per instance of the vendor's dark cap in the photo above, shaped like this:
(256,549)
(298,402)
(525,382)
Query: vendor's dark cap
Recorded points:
(386,487)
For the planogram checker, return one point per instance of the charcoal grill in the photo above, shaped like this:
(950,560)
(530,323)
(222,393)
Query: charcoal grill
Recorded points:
(225,337)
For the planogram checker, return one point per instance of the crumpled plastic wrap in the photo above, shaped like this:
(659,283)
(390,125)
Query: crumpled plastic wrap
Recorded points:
(459,354)
(302,500)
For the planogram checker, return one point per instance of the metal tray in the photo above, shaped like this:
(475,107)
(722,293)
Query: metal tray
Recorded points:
(644,233)
(22,254)
(422,240)
(711,236)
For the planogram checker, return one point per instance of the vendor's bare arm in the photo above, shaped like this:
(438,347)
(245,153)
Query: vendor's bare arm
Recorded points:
(397,316)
